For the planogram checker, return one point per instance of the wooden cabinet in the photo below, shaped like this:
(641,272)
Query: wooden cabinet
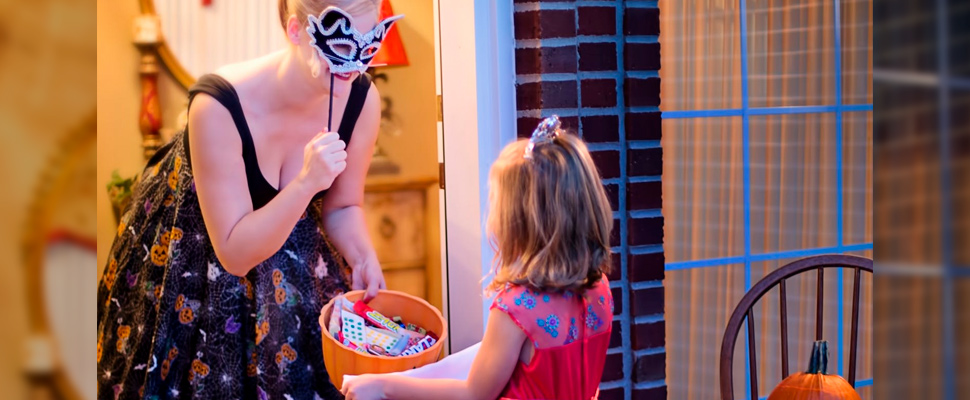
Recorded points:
(402,219)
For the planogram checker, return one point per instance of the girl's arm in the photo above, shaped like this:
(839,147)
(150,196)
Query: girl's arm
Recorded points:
(490,372)
(343,216)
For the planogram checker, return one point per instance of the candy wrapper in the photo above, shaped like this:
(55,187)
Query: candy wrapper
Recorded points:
(352,328)
(334,325)
(392,343)
(422,345)
(376,318)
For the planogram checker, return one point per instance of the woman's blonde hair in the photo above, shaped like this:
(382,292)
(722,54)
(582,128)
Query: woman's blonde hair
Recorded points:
(303,8)
(550,219)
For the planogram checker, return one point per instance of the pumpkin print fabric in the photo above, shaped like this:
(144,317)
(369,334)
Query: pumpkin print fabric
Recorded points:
(172,323)
(570,333)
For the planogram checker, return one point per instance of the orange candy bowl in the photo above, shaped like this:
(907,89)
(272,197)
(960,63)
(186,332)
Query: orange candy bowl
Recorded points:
(341,360)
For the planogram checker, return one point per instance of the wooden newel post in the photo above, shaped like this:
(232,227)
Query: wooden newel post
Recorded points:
(150,114)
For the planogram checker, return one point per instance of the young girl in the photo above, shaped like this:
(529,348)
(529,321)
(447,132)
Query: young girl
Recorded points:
(549,325)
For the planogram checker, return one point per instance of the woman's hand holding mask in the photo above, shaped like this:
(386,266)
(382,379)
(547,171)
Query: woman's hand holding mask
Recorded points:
(324,158)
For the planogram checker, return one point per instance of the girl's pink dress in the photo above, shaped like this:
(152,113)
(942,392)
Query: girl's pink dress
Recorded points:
(571,334)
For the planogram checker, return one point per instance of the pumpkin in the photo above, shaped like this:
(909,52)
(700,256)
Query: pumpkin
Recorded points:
(815,384)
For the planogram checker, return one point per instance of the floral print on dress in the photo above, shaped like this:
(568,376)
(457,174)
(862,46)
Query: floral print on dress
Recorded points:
(526,300)
(550,325)
(573,333)
(593,321)
(541,314)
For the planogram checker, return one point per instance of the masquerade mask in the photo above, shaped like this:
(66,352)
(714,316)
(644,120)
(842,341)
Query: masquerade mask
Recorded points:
(547,130)
(345,48)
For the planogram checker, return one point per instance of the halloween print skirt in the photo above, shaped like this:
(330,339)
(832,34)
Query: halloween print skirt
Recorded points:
(172,323)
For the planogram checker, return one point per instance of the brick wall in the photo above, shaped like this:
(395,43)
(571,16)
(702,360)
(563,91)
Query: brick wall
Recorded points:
(595,63)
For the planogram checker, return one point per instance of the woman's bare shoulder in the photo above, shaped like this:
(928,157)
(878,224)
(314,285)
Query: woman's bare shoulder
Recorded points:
(241,74)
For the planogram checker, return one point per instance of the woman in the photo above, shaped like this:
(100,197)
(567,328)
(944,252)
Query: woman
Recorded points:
(223,260)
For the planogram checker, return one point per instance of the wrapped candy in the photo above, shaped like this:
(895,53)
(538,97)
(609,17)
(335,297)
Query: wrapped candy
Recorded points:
(334,325)
(375,317)
(422,345)
(353,328)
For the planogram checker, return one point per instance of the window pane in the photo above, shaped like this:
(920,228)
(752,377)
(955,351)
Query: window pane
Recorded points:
(962,324)
(699,302)
(791,53)
(866,345)
(700,55)
(856,32)
(857,177)
(907,330)
(906,156)
(702,185)
(911,28)
(793,182)
(960,174)
(959,14)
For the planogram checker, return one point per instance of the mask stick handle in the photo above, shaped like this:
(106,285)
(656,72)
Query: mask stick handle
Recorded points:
(330,115)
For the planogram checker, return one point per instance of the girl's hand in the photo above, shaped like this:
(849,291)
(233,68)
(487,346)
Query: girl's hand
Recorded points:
(364,387)
(324,158)
(369,276)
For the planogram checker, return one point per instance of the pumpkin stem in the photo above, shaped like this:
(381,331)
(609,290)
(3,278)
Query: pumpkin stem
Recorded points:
(819,363)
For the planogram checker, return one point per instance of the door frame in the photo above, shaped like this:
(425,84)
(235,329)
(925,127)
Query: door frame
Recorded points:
(476,80)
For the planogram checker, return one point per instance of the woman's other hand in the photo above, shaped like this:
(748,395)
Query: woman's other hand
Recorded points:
(369,276)
(324,158)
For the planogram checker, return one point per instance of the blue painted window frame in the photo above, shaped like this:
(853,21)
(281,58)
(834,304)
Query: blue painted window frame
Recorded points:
(838,110)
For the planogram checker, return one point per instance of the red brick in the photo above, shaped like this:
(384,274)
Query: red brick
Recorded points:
(648,301)
(645,267)
(525,126)
(570,124)
(641,21)
(616,336)
(642,92)
(655,393)
(645,162)
(643,126)
(607,162)
(617,294)
(615,234)
(597,21)
(650,367)
(601,128)
(613,369)
(598,92)
(615,268)
(545,24)
(597,56)
(612,394)
(545,60)
(613,194)
(644,195)
(641,56)
(645,231)
(546,94)
(648,335)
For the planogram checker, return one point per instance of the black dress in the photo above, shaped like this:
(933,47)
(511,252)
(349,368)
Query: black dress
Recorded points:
(172,323)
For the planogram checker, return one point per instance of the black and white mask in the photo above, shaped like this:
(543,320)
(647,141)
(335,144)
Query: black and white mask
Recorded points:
(344,47)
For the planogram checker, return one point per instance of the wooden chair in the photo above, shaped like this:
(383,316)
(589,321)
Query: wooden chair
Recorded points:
(778,277)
